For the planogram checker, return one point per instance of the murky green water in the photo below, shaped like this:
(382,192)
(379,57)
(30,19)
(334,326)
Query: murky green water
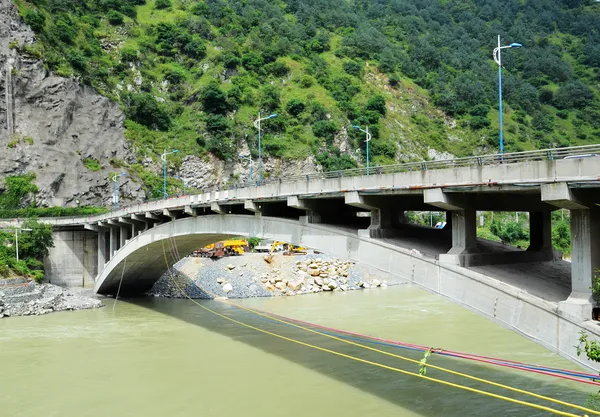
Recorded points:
(171,358)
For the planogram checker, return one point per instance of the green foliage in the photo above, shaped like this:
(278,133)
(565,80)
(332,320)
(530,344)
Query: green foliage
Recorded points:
(333,160)
(114,17)
(51,212)
(17,188)
(213,99)
(561,236)
(509,232)
(294,107)
(323,60)
(162,4)
(145,110)
(377,104)
(253,242)
(325,129)
(34,241)
(92,164)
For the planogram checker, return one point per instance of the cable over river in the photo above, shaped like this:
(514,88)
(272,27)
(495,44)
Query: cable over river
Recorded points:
(163,357)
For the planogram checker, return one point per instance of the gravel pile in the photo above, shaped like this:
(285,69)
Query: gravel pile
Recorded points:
(250,276)
(33,299)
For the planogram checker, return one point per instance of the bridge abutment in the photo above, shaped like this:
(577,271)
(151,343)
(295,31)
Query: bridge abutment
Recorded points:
(73,261)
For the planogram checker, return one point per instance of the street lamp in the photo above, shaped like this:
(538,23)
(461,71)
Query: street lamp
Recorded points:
(249,158)
(498,60)
(367,140)
(184,183)
(17,240)
(164,159)
(257,125)
(115,179)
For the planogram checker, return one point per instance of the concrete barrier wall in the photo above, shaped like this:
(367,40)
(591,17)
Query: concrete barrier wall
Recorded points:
(534,318)
(73,261)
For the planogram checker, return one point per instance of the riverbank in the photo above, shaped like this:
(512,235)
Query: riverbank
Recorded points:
(250,276)
(22,298)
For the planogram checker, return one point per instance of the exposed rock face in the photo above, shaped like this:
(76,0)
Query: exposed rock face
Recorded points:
(49,125)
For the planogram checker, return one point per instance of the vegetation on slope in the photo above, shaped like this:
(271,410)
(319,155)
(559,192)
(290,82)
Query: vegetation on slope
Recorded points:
(193,74)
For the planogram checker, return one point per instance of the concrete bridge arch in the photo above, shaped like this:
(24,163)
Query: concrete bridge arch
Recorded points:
(141,261)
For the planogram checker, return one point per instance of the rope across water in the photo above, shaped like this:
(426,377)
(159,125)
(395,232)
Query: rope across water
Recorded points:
(175,255)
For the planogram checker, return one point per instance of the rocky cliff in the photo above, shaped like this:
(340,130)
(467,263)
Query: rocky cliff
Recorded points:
(54,126)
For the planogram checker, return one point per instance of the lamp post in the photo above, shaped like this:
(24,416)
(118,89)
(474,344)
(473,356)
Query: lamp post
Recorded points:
(115,179)
(17,240)
(249,158)
(367,140)
(257,125)
(164,159)
(498,60)
(183,180)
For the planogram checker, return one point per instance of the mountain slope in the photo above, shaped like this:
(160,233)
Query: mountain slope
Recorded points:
(193,75)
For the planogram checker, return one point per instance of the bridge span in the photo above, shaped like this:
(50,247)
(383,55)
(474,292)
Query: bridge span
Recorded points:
(361,217)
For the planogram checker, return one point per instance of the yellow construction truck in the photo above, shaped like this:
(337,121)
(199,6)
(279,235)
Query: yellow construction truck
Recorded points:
(231,247)
(288,250)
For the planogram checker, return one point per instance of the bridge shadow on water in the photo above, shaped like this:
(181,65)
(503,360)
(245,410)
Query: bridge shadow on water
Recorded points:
(417,395)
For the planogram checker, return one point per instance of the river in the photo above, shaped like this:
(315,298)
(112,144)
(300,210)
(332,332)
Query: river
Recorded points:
(171,358)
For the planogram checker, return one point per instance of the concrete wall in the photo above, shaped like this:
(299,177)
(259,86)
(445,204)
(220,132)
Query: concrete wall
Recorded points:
(73,261)
(536,319)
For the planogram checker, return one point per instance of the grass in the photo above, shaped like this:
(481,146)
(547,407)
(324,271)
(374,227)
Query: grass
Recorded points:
(92,164)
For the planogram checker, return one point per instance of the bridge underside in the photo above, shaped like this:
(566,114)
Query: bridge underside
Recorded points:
(138,272)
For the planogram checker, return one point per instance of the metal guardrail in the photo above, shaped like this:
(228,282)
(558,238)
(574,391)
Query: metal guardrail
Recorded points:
(471,161)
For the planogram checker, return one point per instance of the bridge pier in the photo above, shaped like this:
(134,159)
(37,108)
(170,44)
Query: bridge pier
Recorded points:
(103,254)
(386,220)
(113,242)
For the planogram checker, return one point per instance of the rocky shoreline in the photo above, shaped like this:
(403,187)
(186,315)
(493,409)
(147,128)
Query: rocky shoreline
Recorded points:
(250,276)
(22,298)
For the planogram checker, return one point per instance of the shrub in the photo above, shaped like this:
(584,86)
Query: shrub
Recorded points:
(352,68)
(145,110)
(479,122)
(295,107)
(162,4)
(92,164)
(377,104)
(306,81)
(214,100)
(114,17)
(325,129)
(35,20)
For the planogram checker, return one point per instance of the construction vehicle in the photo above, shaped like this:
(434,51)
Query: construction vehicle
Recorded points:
(232,247)
(288,250)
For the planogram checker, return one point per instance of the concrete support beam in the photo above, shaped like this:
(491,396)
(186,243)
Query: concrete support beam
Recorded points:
(559,195)
(92,227)
(438,198)
(251,206)
(152,216)
(103,255)
(585,261)
(217,208)
(113,242)
(171,213)
(464,237)
(311,215)
(190,211)
(540,231)
(123,236)
(354,199)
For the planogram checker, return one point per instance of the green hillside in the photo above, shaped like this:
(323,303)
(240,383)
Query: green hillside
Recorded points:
(193,75)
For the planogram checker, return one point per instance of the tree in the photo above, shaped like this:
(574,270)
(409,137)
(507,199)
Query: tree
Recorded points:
(145,110)
(325,129)
(214,100)
(352,68)
(270,98)
(377,104)
(114,17)
(574,95)
(162,4)
(295,107)
(36,242)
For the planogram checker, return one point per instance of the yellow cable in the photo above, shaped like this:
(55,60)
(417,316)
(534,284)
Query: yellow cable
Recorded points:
(380,365)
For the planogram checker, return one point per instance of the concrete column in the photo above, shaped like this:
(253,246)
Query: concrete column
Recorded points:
(585,250)
(585,261)
(540,231)
(114,242)
(103,256)
(123,236)
(464,232)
